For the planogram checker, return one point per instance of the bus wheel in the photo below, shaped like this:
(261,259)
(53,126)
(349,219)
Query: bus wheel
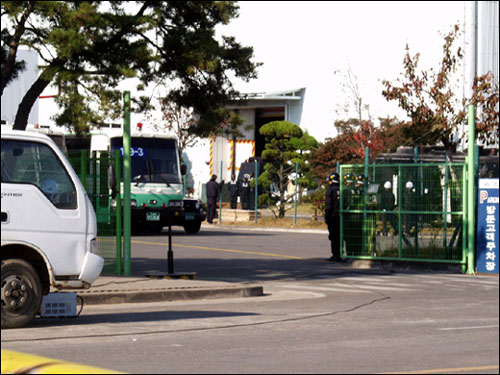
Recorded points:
(193,227)
(21,293)
(155,228)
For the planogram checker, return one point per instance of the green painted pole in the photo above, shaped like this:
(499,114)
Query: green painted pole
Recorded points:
(296,192)
(342,206)
(400,216)
(256,189)
(445,216)
(220,195)
(465,244)
(127,180)
(365,202)
(119,265)
(471,217)
(414,198)
(83,168)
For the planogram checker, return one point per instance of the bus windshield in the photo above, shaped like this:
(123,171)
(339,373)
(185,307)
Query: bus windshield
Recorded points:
(152,159)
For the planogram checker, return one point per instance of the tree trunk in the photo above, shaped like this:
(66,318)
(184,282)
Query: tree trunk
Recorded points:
(24,109)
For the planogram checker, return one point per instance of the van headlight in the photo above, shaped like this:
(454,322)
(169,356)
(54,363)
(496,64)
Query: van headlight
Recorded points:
(93,248)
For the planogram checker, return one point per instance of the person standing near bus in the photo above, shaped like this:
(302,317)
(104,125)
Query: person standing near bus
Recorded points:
(244,191)
(213,190)
(233,192)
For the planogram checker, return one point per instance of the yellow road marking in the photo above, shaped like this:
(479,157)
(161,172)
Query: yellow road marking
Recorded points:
(223,250)
(23,363)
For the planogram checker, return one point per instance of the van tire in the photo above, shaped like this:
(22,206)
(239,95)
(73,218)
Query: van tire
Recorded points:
(21,293)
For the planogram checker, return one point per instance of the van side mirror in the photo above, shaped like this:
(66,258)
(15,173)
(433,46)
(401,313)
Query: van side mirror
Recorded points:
(183,169)
(112,181)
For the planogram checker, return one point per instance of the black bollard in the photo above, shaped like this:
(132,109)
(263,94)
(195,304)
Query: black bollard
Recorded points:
(170,252)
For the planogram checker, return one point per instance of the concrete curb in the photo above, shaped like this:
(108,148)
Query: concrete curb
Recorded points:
(177,294)
(263,229)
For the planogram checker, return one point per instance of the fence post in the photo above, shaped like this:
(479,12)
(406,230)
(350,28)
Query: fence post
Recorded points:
(296,188)
(118,200)
(256,189)
(341,189)
(220,193)
(445,217)
(400,215)
(471,217)
(414,205)
(365,229)
(127,179)
(83,168)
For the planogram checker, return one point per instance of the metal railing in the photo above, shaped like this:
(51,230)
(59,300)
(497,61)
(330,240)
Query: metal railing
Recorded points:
(410,212)
(93,171)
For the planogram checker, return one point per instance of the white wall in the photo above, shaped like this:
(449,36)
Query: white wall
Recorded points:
(15,91)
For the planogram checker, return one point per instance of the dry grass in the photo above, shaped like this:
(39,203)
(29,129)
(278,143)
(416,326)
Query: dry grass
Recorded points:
(305,213)
(271,222)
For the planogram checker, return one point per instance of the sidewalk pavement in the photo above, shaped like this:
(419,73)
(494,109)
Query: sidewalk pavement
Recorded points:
(122,289)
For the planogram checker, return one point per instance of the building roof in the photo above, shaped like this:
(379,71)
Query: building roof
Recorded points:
(296,94)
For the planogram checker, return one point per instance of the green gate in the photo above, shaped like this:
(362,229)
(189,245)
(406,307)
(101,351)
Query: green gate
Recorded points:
(96,172)
(410,212)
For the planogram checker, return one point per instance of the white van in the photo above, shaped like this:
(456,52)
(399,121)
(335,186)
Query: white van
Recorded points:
(49,227)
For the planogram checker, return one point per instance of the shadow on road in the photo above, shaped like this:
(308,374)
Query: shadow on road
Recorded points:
(134,317)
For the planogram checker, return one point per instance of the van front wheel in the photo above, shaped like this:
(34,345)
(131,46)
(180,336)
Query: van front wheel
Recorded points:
(21,293)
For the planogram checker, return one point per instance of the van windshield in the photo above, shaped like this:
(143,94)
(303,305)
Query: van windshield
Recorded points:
(152,159)
(35,163)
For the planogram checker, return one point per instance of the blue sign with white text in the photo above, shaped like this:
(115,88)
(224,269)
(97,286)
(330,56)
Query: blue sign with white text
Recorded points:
(487,226)
(135,152)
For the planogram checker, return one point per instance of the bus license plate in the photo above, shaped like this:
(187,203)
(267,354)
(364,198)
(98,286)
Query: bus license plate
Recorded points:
(189,216)
(152,216)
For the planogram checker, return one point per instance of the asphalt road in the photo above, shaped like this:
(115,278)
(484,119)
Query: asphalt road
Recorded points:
(316,317)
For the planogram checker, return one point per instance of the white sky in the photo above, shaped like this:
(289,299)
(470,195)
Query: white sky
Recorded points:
(302,43)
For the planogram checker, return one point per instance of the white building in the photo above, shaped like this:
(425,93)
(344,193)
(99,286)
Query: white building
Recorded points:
(14,92)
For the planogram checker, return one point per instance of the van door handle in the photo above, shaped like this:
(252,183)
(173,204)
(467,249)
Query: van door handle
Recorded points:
(4,217)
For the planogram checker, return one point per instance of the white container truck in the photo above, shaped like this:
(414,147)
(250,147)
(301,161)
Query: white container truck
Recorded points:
(49,227)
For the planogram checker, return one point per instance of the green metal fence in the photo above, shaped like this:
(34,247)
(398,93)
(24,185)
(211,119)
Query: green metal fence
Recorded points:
(411,212)
(94,172)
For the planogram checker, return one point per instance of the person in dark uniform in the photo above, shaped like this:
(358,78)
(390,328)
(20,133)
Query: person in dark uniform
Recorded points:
(233,192)
(244,191)
(387,203)
(332,217)
(350,230)
(409,204)
(213,189)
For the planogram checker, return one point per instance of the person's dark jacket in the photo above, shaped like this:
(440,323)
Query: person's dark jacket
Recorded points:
(213,189)
(244,188)
(332,208)
(233,188)
(387,200)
